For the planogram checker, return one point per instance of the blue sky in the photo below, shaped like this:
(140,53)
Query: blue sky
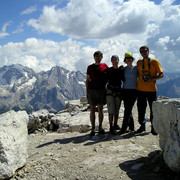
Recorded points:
(41,34)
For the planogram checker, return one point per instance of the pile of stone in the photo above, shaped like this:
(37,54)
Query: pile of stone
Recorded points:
(74,117)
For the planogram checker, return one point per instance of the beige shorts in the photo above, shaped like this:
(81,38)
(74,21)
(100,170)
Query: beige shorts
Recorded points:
(113,104)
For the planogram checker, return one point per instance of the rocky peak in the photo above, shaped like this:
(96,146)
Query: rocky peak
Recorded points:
(13,73)
(22,88)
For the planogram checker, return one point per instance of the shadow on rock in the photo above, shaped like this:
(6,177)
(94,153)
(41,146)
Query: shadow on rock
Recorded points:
(152,167)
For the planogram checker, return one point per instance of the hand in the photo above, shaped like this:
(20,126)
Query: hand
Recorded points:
(121,67)
(151,79)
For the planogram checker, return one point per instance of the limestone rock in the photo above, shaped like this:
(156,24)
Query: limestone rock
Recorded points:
(39,120)
(83,100)
(167,124)
(13,142)
(78,123)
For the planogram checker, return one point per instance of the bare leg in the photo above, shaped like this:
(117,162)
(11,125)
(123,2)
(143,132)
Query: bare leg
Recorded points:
(92,116)
(100,114)
(111,116)
(116,126)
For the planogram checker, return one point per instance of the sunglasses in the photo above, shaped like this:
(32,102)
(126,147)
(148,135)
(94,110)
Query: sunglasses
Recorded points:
(143,51)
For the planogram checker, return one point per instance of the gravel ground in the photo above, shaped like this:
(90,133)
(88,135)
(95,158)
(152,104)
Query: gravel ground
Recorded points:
(77,156)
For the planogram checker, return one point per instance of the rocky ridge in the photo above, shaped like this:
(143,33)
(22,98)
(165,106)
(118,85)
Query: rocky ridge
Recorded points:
(23,89)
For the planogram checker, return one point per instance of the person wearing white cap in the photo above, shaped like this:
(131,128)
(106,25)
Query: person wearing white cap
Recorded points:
(115,76)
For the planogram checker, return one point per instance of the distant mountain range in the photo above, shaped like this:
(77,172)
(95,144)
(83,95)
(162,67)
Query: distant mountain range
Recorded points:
(169,86)
(23,89)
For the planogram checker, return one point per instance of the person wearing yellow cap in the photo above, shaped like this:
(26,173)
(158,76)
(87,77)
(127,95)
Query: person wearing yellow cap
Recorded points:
(149,72)
(129,92)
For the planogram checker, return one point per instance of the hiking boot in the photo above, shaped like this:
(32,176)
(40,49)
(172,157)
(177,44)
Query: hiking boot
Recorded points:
(101,130)
(116,127)
(153,132)
(112,131)
(122,131)
(141,129)
(131,130)
(92,133)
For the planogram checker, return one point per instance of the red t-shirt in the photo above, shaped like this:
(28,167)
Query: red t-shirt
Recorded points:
(97,76)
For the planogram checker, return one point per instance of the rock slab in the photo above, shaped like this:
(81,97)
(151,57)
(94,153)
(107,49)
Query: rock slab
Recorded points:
(13,142)
(167,124)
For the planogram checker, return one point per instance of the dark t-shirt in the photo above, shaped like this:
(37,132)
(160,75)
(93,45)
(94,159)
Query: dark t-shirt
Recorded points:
(97,76)
(114,77)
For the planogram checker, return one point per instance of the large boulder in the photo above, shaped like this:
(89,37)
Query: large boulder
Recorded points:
(13,142)
(167,124)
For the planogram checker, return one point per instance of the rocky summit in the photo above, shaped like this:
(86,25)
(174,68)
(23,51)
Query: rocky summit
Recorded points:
(69,153)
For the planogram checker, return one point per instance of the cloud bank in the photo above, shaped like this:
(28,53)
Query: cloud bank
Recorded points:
(112,26)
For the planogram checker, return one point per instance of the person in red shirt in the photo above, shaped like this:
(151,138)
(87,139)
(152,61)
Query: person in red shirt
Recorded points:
(95,90)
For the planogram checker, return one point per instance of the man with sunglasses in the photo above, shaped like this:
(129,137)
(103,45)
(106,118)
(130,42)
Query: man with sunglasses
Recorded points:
(149,71)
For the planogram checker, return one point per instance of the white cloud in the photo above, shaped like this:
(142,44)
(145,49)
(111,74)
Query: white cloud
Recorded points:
(98,19)
(41,54)
(3,32)
(20,28)
(162,42)
(29,10)
(167,2)
(73,55)
(113,26)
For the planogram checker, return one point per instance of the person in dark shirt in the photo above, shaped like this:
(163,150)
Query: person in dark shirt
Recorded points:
(95,90)
(114,76)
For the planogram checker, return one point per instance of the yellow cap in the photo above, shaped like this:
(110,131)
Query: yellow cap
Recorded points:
(128,54)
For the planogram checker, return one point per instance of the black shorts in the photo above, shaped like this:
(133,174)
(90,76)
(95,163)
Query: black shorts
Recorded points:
(96,97)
